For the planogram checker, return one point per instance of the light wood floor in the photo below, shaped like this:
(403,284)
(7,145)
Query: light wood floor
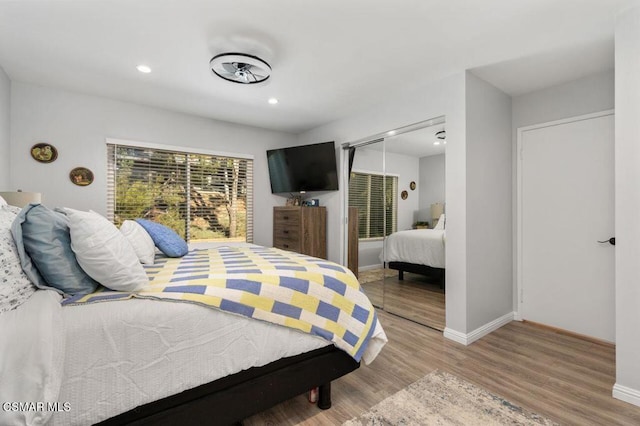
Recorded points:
(562,377)
(417,297)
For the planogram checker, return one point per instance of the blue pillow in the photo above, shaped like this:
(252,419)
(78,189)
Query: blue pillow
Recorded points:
(165,238)
(44,246)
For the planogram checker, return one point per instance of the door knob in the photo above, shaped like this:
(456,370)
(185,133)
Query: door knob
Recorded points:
(611,241)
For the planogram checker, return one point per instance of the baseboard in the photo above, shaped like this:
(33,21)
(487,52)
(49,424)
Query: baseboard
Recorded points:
(623,393)
(456,336)
(369,267)
(478,333)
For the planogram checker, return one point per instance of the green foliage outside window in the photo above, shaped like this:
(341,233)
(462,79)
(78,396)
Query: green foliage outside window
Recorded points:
(201,197)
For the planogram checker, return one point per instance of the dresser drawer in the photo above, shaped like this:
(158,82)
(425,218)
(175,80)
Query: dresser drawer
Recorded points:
(286,219)
(286,231)
(285,244)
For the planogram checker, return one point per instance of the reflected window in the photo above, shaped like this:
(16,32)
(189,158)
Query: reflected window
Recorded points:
(375,197)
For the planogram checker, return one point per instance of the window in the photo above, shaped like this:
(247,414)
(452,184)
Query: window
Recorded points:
(202,197)
(375,196)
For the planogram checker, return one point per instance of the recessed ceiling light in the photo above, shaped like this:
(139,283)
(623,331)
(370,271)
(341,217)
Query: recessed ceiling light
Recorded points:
(273,101)
(144,69)
(391,132)
(436,143)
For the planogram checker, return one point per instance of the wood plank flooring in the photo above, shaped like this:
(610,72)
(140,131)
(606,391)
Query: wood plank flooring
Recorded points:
(417,297)
(563,377)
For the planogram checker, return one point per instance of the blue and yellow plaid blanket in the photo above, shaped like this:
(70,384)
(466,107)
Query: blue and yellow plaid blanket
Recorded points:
(297,291)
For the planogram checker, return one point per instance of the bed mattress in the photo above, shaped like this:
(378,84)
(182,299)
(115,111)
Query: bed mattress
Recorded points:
(158,349)
(419,246)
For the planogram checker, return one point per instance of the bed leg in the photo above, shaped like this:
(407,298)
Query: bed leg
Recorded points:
(400,274)
(324,396)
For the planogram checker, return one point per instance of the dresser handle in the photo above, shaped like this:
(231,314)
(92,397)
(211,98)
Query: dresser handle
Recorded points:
(285,245)
(286,231)
(285,217)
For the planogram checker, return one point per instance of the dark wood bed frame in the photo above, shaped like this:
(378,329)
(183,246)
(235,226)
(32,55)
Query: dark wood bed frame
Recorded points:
(231,399)
(401,267)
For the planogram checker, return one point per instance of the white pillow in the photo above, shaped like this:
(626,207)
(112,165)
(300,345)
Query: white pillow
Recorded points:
(104,253)
(140,240)
(15,287)
(440,225)
(2,201)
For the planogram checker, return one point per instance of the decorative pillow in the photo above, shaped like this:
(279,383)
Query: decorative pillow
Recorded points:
(15,287)
(165,238)
(441,222)
(44,234)
(140,240)
(104,253)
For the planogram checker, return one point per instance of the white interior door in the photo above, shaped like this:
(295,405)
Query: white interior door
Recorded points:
(566,205)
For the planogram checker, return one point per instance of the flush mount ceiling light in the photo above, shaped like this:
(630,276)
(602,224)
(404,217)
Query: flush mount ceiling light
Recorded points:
(240,68)
(145,69)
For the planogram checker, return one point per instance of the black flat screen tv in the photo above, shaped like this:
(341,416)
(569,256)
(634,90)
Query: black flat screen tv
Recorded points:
(303,168)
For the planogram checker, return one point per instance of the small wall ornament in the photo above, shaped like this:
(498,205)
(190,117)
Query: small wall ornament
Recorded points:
(412,185)
(404,195)
(81,176)
(44,153)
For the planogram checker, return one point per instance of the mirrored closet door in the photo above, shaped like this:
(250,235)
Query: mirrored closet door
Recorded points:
(397,188)
(367,204)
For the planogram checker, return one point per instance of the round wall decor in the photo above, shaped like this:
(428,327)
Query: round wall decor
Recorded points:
(44,153)
(404,195)
(412,185)
(81,176)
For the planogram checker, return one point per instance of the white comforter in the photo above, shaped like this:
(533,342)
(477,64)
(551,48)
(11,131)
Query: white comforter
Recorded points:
(31,360)
(420,246)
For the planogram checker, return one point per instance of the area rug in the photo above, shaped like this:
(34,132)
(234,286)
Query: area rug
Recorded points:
(443,399)
(374,275)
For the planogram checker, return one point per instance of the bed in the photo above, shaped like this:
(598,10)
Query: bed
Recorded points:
(420,251)
(114,357)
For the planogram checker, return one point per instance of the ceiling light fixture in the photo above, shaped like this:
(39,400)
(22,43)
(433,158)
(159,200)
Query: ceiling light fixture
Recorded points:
(441,134)
(143,69)
(272,101)
(436,143)
(240,68)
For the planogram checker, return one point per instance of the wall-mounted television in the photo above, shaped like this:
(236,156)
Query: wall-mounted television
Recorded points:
(303,168)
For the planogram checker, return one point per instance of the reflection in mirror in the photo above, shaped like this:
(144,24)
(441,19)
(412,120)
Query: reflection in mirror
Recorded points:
(414,251)
(366,201)
(397,193)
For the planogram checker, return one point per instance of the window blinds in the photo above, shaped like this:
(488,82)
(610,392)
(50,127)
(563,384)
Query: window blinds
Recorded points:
(202,197)
(375,197)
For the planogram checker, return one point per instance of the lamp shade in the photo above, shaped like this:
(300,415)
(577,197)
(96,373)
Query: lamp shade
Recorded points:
(21,199)
(436,210)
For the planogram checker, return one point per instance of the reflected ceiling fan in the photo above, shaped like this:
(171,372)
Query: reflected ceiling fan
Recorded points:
(240,68)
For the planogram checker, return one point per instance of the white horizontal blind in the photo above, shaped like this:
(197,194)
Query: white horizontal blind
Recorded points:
(375,197)
(202,197)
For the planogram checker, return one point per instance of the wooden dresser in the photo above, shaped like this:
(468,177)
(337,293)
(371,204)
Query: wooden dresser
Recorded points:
(301,229)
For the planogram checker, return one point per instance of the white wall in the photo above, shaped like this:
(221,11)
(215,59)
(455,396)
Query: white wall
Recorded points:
(627,204)
(441,98)
(5,131)
(431,184)
(407,170)
(583,96)
(77,126)
(489,203)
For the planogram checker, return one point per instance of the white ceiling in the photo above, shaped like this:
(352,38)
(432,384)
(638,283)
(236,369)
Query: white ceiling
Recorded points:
(329,57)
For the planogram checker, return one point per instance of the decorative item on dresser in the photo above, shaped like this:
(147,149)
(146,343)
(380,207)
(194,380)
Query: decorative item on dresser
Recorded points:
(301,229)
